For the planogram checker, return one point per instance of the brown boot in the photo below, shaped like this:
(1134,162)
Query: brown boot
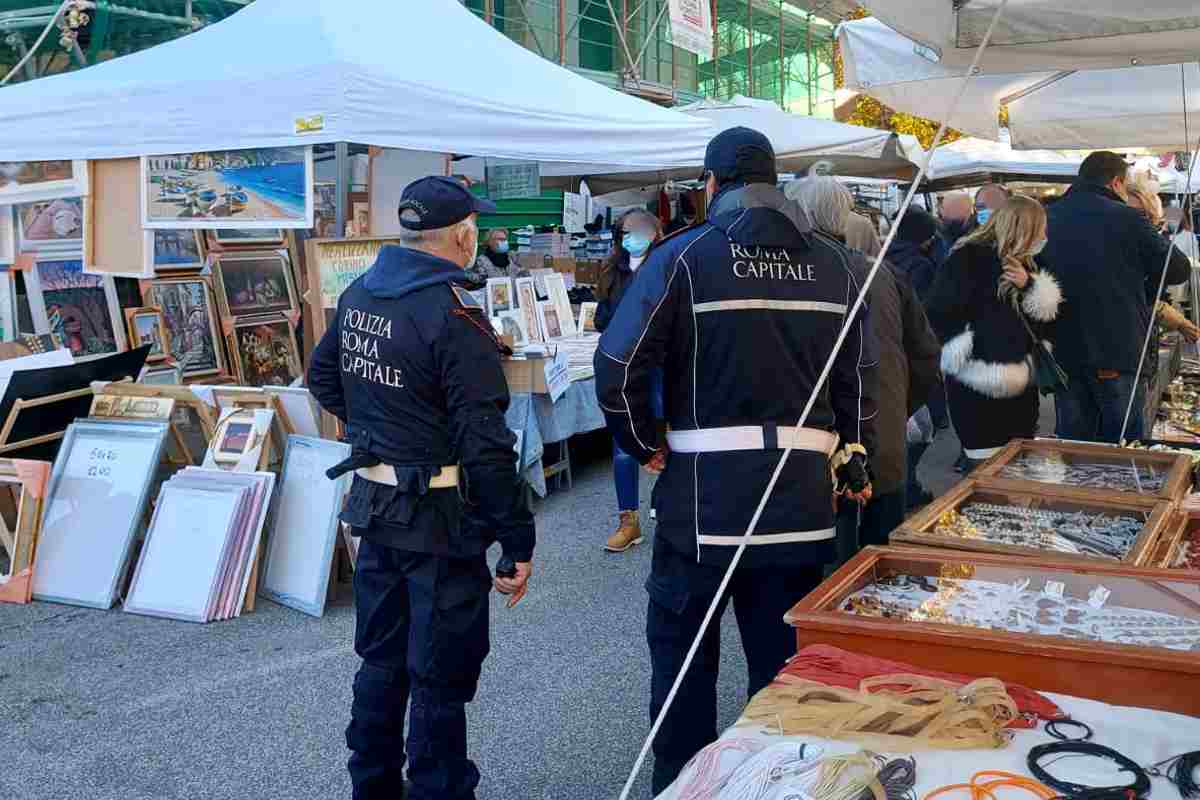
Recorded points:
(629,533)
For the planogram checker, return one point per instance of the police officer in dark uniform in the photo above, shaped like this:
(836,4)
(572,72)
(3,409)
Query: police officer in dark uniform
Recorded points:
(412,367)
(741,312)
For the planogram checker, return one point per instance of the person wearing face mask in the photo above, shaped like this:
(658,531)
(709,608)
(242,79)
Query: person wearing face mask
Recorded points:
(493,260)
(1109,260)
(984,297)
(411,366)
(741,314)
(990,198)
(912,250)
(636,232)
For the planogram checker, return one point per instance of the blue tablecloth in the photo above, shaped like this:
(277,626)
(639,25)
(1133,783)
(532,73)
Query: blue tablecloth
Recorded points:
(577,411)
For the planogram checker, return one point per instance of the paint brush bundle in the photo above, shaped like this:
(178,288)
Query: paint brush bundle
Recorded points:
(202,545)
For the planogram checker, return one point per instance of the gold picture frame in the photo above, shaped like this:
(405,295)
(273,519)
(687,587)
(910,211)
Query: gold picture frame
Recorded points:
(156,335)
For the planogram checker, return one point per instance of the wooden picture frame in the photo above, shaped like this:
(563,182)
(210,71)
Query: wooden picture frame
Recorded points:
(305,525)
(254,284)
(500,296)
(1173,470)
(332,265)
(27,482)
(158,337)
(172,252)
(256,344)
(1126,675)
(190,316)
(112,406)
(51,283)
(919,529)
(95,455)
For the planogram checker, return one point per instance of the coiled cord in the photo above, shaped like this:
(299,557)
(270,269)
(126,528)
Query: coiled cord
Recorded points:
(1076,791)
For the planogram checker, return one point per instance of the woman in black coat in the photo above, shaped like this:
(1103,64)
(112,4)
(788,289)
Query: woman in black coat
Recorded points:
(979,306)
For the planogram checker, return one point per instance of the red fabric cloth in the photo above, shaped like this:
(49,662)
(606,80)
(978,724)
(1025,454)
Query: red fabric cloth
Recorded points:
(833,666)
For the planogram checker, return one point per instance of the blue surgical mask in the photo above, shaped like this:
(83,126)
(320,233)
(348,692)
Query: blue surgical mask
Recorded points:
(636,244)
(983,215)
(502,247)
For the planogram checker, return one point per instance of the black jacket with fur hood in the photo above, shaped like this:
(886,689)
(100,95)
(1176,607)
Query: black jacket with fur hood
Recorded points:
(985,345)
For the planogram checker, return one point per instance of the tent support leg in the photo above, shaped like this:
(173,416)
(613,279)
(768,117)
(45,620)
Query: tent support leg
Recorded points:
(782,64)
(562,32)
(342,154)
(716,52)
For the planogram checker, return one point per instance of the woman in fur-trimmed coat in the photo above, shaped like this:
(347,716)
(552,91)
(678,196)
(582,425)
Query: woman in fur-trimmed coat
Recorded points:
(976,306)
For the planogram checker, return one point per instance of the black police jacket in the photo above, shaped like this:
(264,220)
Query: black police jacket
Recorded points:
(741,313)
(412,367)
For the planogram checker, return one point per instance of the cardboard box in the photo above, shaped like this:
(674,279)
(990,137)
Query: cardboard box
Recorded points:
(587,272)
(563,264)
(526,375)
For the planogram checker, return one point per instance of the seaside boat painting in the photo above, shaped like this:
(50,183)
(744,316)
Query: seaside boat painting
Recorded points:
(269,187)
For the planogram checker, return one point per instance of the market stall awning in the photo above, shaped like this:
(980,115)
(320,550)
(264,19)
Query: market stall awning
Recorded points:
(1048,34)
(426,76)
(973,162)
(1138,106)
(799,143)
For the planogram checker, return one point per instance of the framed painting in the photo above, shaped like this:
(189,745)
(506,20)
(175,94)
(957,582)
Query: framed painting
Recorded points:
(147,326)
(267,187)
(161,375)
(587,317)
(512,324)
(305,525)
(265,352)
(27,181)
(499,296)
(556,288)
(550,321)
(527,303)
(262,239)
(51,226)
(24,483)
(79,308)
(8,307)
(173,251)
(249,285)
(191,321)
(235,438)
(8,236)
(94,505)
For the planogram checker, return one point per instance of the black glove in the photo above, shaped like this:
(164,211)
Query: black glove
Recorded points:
(854,478)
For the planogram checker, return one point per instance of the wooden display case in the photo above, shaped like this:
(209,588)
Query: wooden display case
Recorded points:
(921,529)
(1050,462)
(1112,672)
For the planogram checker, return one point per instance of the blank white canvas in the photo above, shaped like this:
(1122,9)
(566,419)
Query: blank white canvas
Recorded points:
(556,288)
(301,409)
(182,557)
(303,533)
(85,539)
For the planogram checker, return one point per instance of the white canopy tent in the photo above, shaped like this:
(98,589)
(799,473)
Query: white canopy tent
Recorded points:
(799,143)
(1054,108)
(440,81)
(970,161)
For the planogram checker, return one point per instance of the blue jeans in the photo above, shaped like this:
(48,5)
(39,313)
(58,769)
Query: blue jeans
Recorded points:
(1092,409)
(625,466)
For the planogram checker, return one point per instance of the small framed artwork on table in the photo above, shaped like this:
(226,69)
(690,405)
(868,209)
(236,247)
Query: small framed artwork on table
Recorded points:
(147,325)
(173,251)
(259,283)
(191,320)
(234,438)
(556,289)
(587,317)
(528,305)
(512,324)
(265,352)
(551,324)
(499,296)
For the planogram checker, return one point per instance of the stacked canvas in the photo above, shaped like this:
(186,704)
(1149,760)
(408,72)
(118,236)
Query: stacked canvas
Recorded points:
(557,245)
(202,545)
(581,351)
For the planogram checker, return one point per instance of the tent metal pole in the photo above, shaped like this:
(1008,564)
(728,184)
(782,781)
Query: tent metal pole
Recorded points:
(750,48)
(809,70)
(342,155)
(716,52)
(562,32)
(782,71)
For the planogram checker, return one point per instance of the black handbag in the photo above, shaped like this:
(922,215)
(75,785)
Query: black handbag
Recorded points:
(1050,377)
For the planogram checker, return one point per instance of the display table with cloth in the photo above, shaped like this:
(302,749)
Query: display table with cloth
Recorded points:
(544,422)
(1145,736)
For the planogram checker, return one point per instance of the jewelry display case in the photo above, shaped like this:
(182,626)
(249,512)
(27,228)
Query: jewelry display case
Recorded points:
(1026,518)
(1179,546)
(1121,635)
(1101,469)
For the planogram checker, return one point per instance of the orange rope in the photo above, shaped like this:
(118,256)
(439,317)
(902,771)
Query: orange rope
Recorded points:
(985,790)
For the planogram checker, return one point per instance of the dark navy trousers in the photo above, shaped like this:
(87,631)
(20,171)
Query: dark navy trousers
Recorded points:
(680,593)
(422,633)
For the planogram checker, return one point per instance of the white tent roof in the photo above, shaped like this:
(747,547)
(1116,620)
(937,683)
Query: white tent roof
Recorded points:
(971,156)
(799,142)
(1049,34)
(1118,108)
(426,76)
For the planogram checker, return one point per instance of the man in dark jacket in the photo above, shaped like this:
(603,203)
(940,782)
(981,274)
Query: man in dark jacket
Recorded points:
(741,313)
(412,367)
(1108,259)
(912,251)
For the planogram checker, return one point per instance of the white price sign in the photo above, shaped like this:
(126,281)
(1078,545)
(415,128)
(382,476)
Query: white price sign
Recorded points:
(558,376)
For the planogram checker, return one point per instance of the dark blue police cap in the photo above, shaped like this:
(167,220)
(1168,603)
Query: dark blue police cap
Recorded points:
(741,154)
(436,202)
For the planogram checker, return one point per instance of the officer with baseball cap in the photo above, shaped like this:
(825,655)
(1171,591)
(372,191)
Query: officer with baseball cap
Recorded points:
(411,366)
(741,313)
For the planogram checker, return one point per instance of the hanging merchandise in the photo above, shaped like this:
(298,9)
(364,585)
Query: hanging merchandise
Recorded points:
(896,713)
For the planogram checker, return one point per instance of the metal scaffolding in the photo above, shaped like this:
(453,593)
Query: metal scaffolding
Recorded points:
(771,49)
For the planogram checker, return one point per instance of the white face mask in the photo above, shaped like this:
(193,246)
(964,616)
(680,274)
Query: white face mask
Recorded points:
(1038,247)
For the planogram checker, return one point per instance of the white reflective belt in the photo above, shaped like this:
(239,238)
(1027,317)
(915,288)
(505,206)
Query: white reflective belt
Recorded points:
(770,305)
(752,437)
(734,540)
(980,455)
(382,473)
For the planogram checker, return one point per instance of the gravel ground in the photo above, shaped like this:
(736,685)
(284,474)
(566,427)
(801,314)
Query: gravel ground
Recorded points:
(106,705)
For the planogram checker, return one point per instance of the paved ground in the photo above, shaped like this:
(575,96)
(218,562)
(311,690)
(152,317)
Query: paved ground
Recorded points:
(106,705)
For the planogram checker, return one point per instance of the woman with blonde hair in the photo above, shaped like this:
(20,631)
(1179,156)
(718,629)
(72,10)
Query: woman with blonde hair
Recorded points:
(986,301)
